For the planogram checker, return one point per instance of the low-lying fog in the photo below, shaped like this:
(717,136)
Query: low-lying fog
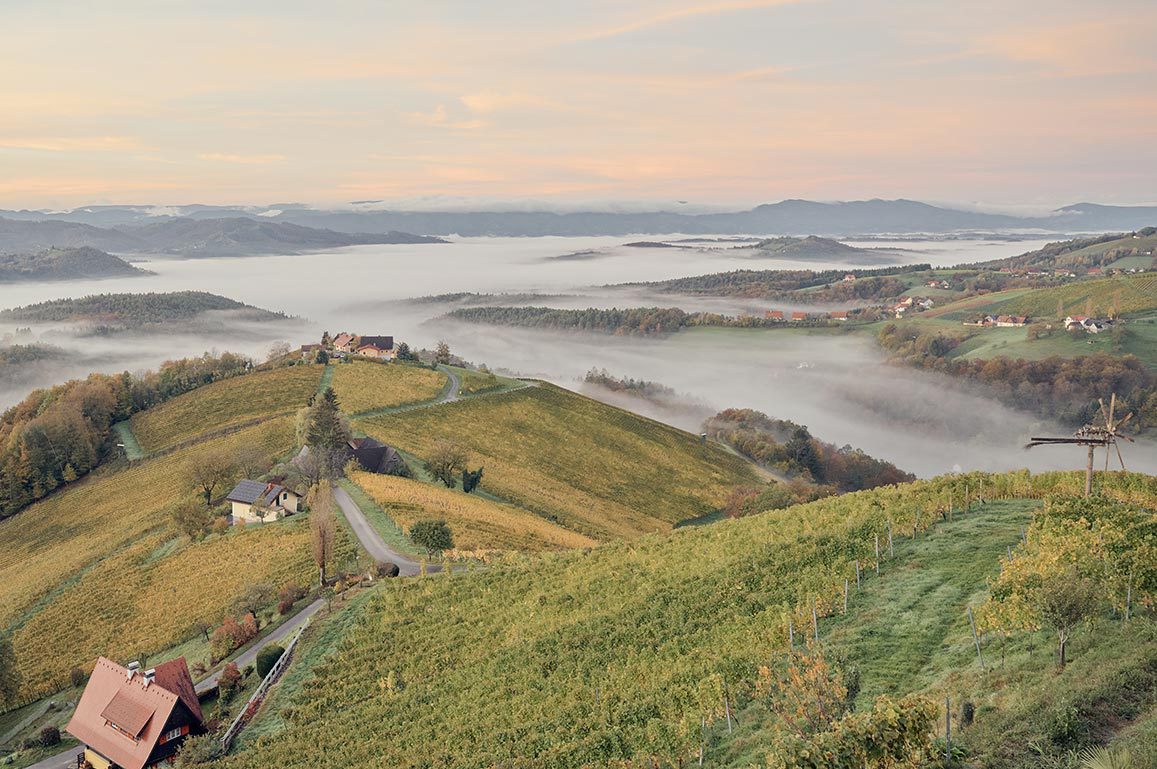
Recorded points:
(838,385)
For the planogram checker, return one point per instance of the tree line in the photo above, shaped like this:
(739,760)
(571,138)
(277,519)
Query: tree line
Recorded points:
(1065,389)
(821,468)
(58,434)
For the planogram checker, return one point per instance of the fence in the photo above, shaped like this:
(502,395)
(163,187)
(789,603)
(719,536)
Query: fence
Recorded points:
(255,699)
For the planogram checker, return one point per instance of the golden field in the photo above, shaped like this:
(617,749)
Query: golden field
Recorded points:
(367,386)
(478,524)
(50,547)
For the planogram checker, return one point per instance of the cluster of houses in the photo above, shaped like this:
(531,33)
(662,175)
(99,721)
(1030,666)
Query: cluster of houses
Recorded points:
(258,501)
(999,321)
(346,344)
(912,303)
(797,317)
(1087,324)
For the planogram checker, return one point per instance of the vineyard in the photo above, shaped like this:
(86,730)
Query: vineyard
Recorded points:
(54,545)
(592,468)
(364,387)
(630,653)
(131,605)
(479,525)
(1138,293)
(224,404)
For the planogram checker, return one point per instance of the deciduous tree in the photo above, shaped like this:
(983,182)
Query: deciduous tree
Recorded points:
(434,536)
(322,526)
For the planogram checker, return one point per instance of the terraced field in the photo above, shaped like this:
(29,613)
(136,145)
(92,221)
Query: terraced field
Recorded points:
(364,387)
(225,404)
(592,468)
(50,548)
(478,524)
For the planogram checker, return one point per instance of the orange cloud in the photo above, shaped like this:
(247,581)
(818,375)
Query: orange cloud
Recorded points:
(225,157)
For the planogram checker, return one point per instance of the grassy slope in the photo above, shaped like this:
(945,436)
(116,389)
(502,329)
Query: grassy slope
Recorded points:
(592,468)
(55,548)
(907,631)
(364,386)
(1138,294)
(224,404)
(567,659)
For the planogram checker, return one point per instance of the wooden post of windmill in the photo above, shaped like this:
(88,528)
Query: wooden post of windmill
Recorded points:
(1092,436)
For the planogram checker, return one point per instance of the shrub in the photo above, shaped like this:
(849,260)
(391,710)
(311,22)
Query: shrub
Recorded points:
(387,569)
(77,677)
(49,736)
(198,750)
(284,607)
(229,681)
(267,658)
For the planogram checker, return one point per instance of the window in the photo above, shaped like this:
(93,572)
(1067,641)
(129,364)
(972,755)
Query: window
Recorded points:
(173,734)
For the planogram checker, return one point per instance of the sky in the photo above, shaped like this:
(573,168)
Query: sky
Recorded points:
(1026,104)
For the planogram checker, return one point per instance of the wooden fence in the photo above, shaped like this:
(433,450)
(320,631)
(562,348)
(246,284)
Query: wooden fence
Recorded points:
(256,698)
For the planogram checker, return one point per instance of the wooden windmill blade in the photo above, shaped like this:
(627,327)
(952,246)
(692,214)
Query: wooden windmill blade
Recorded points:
(1120,458)
(1112,410)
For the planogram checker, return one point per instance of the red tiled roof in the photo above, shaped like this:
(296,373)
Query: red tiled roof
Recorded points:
(174,676)
(136,705)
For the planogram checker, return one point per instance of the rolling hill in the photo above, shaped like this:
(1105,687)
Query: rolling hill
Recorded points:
(136,309)
(65,264)
(591,468)
(233,236)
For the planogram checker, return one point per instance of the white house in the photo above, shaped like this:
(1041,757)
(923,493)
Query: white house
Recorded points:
(250,497)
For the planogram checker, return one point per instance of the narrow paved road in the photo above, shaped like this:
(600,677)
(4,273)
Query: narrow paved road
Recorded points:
(249,656)
(369,537)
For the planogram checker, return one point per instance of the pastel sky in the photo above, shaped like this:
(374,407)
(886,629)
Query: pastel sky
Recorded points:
(989,102)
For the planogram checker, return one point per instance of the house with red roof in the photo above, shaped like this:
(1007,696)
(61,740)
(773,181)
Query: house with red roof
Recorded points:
(773,315)
(133,719)
(798,316)
(838,315)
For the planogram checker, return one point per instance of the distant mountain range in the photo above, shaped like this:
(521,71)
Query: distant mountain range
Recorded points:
(183,236)
(788,217)
(65,264)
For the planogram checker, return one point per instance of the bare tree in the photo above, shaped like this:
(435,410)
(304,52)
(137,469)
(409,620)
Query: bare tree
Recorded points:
(323,526)
(211,472)
(447,461)
(252,461)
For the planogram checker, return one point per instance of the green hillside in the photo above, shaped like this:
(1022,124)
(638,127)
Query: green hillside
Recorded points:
(224,404)
(595,469)
(642,654)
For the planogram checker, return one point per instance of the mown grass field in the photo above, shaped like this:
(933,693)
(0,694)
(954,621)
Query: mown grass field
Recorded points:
(364,387)
(479,525)
(592,468)
(619,655)
(52,548)
(224,404)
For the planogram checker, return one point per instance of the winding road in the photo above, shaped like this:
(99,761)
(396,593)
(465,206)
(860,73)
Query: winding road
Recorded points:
(369,537)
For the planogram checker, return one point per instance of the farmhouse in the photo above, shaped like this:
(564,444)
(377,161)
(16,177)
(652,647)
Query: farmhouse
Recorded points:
(838,315)
(1010,321)
(798,316)
(343,342)
(376,457)
(132,719)
(375,347)
(250,497)
(773,315)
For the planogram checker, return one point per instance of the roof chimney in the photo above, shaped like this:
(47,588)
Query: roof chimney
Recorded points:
(150,674)
(133,669)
